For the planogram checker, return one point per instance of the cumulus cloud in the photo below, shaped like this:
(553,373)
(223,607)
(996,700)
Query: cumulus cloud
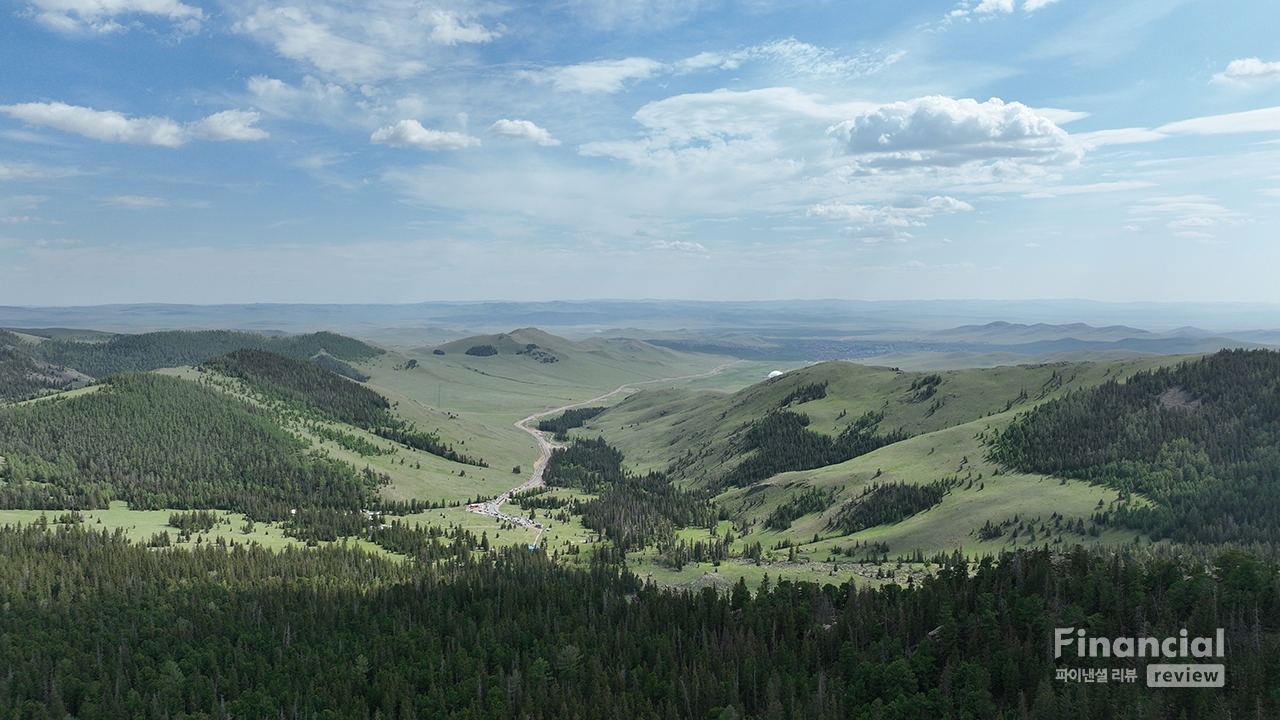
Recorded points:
(1247,71)
(876,223)
(938,130)
(362,43)
(411,133)
(112,126)
(101,15)
(522,130)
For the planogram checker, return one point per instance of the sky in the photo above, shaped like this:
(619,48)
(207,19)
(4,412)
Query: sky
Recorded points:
(228,151)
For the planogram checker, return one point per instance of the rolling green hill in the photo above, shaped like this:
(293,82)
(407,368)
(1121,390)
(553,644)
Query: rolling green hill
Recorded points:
(713,440)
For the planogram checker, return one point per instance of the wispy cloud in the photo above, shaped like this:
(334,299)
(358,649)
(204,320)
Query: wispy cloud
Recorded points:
(789,55)
(137,202)
(1260,120)
(112,126)
(363,44)
(105,16)
(887,222)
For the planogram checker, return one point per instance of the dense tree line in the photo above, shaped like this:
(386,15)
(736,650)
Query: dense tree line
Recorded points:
(307,384)
(781,442)
(633,511)
(812,500)
(95,627)
(805,393)
(887,503)
(149,351)
(1201,439)
(161,442)
(569,419)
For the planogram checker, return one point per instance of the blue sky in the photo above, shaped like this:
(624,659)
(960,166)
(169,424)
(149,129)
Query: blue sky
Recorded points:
(401,151)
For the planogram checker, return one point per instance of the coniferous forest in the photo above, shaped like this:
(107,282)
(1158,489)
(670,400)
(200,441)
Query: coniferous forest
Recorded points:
(1201,439)
(96,627)
(160,442)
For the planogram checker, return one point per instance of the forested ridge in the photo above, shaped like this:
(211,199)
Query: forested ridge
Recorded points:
(160,442)
(308,385)
(1201,440)
(150,351)
(22,376)
(95,627)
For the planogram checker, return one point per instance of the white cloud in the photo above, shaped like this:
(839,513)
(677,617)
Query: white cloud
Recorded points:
(137,202)
(990,6)
(803,58)
(311,99)
(228,125)
(368,42)
(942,131)
(100,15)
(876,223)
(1188,215)
(449,29)
(606,76)
(1032,245)
(26,171)
(411,132)
(1117,136)
(522,130)
(1100,187)
(788,54)
(112,126)
(1273,192)
(1060,116)
(18,219)
(298,37)
(1261,120)
(1248,70)
(679,246)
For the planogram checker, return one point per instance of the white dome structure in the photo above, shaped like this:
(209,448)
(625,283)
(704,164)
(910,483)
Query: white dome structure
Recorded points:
(774,374)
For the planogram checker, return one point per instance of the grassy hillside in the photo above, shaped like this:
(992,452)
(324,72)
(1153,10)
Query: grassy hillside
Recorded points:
(703,438)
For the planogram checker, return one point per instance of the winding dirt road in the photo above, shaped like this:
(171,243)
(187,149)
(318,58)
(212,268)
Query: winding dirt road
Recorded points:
(492,508)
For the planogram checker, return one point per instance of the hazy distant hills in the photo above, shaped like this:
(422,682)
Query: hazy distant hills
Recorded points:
(831,318)
(905,334)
